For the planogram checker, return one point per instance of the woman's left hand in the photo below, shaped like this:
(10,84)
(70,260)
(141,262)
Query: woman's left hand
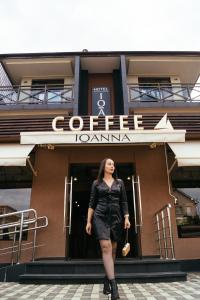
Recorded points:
(127,224)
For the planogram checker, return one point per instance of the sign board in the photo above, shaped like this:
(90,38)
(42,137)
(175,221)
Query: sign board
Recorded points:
(163,132)
(101,101)
(105,137)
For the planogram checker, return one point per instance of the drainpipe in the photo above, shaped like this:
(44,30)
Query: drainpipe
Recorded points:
(168,172)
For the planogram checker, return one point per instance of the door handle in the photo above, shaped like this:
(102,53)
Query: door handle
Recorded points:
(70,207)
(65,205)
(134,203)
(140,223)
(140,202)
(70,204)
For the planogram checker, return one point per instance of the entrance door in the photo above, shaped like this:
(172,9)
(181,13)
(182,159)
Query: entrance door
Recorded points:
(79,244)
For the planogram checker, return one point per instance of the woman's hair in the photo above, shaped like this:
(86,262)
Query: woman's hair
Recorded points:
(102,168)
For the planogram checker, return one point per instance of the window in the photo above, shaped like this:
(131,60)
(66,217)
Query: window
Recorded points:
(154,88)
(49,90)
(186,188)
(15,194)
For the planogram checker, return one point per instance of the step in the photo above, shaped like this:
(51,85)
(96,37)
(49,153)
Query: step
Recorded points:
(98,278)
(81,267)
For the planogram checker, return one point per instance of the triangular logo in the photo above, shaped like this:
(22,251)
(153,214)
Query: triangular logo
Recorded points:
(164,123)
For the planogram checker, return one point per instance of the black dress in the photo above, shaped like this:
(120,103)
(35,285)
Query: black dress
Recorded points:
(110,205)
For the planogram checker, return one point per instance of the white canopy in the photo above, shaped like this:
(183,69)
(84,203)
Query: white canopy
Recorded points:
(187,154)
(14,154)
(103,137)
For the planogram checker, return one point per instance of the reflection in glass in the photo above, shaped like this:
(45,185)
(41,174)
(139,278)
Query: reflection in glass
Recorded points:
(16,199)
(186,189)
(15,194)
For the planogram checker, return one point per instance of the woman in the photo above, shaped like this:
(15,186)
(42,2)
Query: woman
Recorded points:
(109,210)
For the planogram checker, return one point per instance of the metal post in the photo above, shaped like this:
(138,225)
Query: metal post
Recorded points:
(76,85)
(188,94)
(45,94)
(18,94)
(170,232)
(124,84)
(160,93)
(20,237)
(34,241)
(159,238)
(164,233)
(13,246)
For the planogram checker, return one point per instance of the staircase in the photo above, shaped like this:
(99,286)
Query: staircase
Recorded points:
(91,271)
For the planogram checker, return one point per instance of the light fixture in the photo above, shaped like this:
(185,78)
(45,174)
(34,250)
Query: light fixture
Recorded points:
(75,178)
(153,146)
(128,178)
(50,147)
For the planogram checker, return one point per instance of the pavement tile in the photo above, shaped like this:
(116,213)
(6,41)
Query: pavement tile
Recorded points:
(147,291)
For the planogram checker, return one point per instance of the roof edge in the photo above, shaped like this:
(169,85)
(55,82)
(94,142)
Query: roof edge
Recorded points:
(98,53)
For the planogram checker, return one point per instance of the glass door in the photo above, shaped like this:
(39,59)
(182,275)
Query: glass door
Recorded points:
(79,245)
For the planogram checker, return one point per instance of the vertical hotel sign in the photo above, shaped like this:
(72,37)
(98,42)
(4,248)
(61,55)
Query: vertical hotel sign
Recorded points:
(101,101)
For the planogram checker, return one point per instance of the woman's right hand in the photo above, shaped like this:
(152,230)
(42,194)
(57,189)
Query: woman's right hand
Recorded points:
(89,228)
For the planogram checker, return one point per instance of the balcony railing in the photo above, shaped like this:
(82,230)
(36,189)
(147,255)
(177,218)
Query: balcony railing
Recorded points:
(24,95)
(164,93)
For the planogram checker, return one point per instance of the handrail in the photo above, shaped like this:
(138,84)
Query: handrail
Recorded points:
(164,232)
(40,94)
(167,205)
(26,222)
(19,228)
(163,92)
(19,212)
(39,86)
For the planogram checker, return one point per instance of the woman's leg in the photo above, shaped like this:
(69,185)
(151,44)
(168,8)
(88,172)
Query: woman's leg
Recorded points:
(106,249)
(114,250)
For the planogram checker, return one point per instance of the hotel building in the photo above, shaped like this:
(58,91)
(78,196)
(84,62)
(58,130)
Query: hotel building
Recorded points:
(60,115)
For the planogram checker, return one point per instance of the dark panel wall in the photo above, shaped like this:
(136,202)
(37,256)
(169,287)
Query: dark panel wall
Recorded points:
(83,93)
(101,80)
(117,79)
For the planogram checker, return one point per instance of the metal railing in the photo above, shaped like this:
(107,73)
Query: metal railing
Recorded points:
(164,92)
(164,232)
(27,220)
(45,94)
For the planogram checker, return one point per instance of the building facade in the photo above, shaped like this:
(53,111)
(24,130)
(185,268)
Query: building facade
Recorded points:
(64,112)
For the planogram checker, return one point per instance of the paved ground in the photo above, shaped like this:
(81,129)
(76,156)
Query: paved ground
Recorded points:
(146,291)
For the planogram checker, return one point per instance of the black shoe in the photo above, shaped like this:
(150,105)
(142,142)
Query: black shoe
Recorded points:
(114,290)
(106,286)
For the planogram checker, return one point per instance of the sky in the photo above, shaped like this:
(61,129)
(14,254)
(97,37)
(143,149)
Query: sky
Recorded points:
(99,25)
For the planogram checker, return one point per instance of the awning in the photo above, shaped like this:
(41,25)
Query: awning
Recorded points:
(14,154)
(187,154)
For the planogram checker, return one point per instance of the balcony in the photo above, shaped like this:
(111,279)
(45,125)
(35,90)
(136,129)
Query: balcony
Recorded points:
(39,97)
(163,95)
